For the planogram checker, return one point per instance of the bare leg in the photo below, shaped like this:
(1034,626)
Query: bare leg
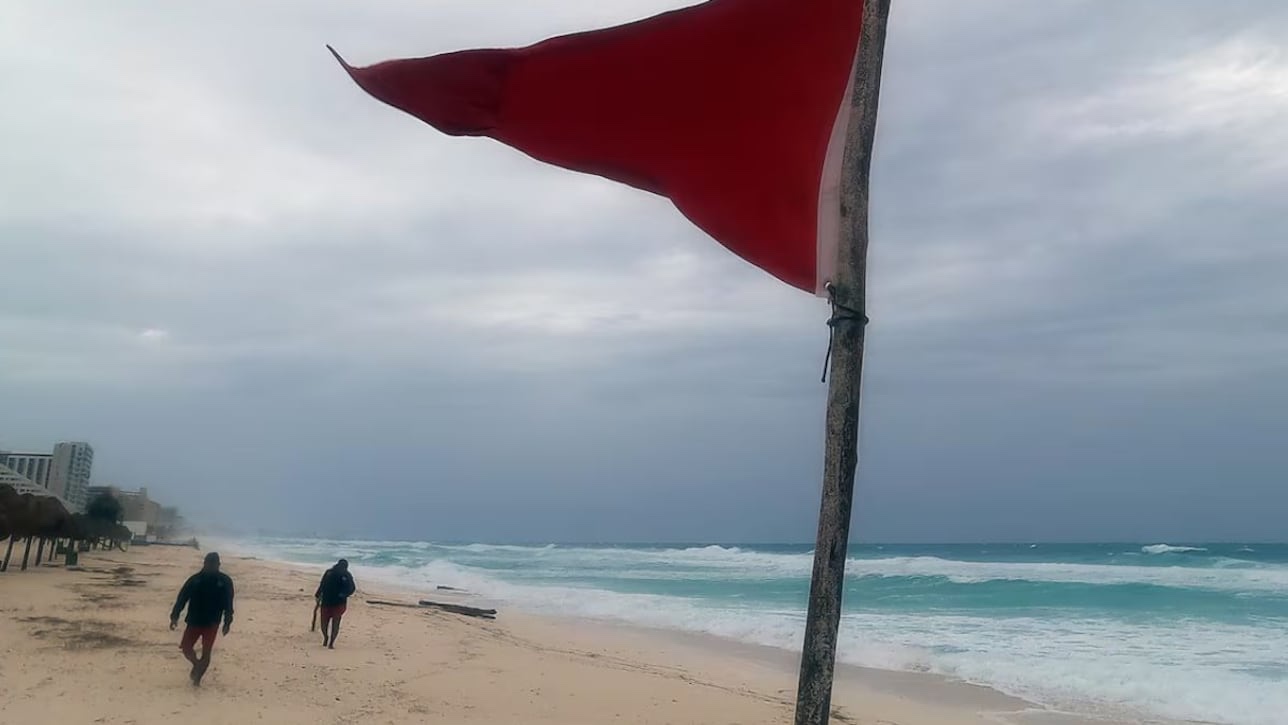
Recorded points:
(326,640)
(191,655)
(335,631)
(199,669)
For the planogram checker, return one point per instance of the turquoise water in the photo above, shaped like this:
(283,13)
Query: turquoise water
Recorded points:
(1191,632)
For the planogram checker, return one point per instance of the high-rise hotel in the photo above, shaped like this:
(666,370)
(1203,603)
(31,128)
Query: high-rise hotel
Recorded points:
(65,472)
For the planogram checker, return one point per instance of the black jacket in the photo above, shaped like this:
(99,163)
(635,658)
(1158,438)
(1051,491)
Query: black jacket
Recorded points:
(335,588)
(208,596)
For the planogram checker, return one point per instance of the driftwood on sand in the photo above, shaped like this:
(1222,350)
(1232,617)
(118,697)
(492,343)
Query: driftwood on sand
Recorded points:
(393,604)
(453,608)
(460,609)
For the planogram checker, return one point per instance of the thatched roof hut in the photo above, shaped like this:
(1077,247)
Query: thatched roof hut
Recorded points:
(83,527)
(28,509)
(121,534)
(5,529)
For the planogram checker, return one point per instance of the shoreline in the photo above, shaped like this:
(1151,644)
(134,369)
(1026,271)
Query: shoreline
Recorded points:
(92,645)
(926,688)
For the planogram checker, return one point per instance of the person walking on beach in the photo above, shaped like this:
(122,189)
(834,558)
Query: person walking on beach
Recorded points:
(332,596)
(208,595)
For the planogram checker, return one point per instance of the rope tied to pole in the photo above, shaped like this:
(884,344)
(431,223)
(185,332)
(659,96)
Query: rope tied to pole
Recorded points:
(840,313)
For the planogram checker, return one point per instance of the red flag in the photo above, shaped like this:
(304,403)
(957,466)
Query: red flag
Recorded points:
(734,109)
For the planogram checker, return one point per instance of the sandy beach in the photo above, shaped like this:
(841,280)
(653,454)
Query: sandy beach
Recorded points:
(91,645)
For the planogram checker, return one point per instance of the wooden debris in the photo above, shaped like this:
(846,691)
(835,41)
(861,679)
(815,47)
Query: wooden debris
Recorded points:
(393,604)
(459,609)
(453,608)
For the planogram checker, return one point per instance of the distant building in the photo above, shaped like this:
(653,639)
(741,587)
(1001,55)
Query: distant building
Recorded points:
(138,530)
(136,506)
(24,485)
(169,522)
(69,478)
(95,491)
(64,473)
(137,509)
(35,467)
(10,477)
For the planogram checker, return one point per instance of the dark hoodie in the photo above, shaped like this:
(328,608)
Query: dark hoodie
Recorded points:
(209,596)
(336,586)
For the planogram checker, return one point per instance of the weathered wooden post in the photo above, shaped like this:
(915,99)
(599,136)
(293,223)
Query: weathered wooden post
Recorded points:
(841,455)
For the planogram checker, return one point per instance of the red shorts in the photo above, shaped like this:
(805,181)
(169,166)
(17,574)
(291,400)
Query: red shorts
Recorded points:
(207,635)
(333,612)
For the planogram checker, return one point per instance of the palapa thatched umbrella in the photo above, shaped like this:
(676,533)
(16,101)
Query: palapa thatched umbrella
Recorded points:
(121,535)
(81,527)
(30,511)
(4,524)
(7,503)
(11,506)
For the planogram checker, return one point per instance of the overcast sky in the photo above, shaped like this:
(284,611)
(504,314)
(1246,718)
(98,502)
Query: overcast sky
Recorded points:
(278,303)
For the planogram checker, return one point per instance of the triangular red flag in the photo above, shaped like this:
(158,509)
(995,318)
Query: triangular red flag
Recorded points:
(734,109)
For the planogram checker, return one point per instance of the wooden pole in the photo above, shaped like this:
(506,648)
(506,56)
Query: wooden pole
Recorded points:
(841,456)
(8,553)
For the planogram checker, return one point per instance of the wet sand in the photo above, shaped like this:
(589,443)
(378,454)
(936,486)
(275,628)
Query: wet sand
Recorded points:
(93,646)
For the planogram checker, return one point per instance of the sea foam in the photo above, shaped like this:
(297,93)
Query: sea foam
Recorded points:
(1202,635)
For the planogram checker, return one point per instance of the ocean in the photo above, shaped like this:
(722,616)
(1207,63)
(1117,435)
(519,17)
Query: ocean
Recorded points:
(1194,632)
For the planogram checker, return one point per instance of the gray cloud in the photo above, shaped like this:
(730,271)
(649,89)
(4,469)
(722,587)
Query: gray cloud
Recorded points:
(279,303)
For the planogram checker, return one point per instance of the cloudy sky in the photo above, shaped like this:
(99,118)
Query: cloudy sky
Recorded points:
(280,304)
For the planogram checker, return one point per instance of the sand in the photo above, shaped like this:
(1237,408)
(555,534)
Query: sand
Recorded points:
(93,646)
